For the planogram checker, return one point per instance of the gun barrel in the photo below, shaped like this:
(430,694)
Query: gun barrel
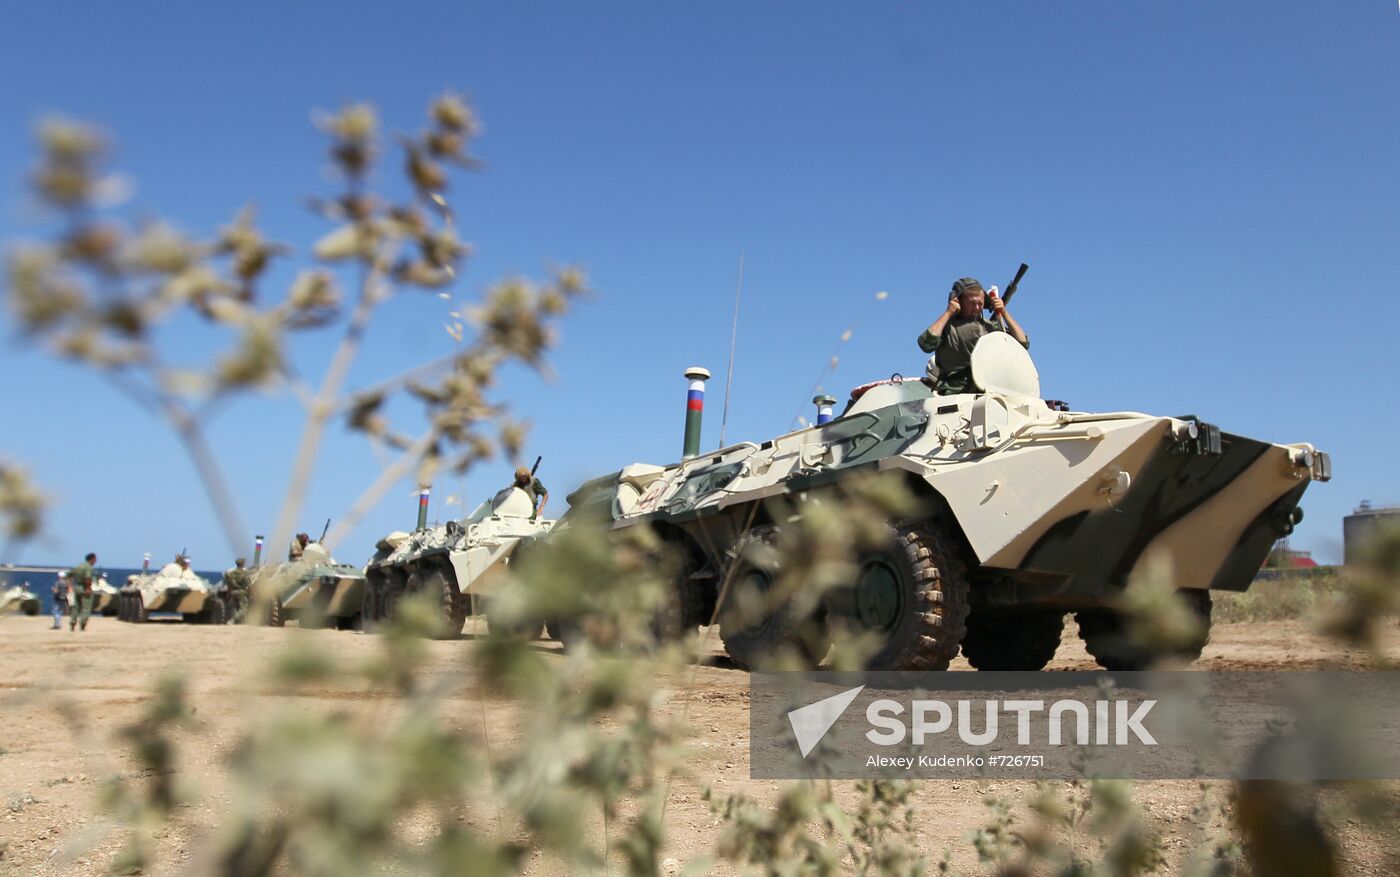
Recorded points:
(1011,287)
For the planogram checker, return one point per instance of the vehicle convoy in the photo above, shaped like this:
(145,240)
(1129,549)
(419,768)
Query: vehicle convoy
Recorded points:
(18,598)
(313,590)
(172,588)
(1028,511)
(460,563)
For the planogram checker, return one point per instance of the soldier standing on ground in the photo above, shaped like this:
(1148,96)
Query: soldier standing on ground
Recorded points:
(531,485)
(60,600)
(958,329)
(239,583)
(81,578)
(298,545)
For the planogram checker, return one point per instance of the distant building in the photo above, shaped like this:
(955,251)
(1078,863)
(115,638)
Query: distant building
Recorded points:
(1283,557)
(1362,524)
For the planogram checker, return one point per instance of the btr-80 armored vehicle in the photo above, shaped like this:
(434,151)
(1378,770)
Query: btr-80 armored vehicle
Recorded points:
(105,596)
(18,598)
(459,562)
(313,590)
(173,588)
(1027,512)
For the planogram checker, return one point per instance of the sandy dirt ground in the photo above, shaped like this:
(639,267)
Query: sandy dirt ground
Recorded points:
(64,697)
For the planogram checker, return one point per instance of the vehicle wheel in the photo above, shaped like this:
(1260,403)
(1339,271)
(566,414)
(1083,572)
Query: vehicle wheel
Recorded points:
(553,628)
(435,580)
(912,593)
(139,613)
(1012,640)
(685,607)
(1106,637)
(216,612)
(518,629)
(369,608)
(756,624)
(275,614)
(568,632)
(31,609)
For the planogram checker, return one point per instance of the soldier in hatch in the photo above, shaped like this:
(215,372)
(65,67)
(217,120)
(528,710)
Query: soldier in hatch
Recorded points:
(531,485)
(955,332)
(299,543)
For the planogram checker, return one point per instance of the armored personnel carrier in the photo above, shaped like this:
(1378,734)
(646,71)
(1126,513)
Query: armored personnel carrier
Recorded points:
(172,588)
(1026,512)
(459,562)
(105,596)
(313,590)
(19,599)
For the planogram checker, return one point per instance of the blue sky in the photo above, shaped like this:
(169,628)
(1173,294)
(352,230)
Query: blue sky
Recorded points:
(1205,193)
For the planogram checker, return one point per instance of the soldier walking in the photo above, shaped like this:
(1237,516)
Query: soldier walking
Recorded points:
(81,578)
(60,600)
(239,583)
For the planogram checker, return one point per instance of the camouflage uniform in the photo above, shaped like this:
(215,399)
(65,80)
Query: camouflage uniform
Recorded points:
(239,583)
(525,480)
(81,608)
(953,352)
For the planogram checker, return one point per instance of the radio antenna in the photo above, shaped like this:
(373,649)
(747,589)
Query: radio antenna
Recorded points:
(733,337)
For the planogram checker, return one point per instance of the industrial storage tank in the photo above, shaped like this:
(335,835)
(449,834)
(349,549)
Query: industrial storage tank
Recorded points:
(1359,526)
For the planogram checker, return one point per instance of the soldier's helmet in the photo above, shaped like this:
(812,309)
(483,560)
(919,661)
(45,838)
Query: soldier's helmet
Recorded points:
(966,285)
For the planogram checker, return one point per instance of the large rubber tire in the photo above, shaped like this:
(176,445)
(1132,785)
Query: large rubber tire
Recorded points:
(1105,635)
(1012,640)
(276,616)
(435,580)
(31,609)
(684,606)
(139,613)
(122,603)
(369,607)
(518,629)
(754,641)
(216,612)
(912,591)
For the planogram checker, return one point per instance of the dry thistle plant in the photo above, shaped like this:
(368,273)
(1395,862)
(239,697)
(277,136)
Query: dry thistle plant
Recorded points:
(101,290)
